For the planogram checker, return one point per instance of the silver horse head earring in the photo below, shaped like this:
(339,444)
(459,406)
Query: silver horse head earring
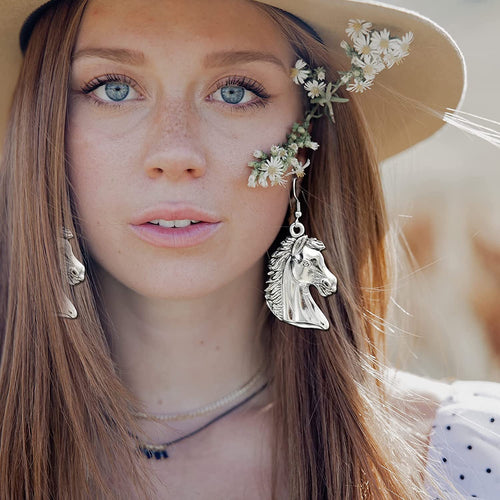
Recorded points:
(74,271)
(293,268)
(297,263)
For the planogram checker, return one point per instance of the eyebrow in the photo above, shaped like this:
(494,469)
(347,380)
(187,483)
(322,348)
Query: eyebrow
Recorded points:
(125,56)
(227,58)
(224,58)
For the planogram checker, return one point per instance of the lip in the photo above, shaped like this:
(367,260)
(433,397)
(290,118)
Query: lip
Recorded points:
(177,211)
(175,237)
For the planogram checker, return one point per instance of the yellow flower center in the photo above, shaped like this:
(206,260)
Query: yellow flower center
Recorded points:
(366,50)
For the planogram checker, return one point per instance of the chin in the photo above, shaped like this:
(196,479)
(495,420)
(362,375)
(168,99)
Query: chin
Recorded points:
(168,283)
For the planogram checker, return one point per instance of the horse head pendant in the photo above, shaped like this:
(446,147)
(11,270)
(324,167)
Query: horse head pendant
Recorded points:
(293,268)
(74,271)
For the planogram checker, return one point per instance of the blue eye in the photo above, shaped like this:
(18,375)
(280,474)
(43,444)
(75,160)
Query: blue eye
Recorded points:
(117,91)
(240,92)
(109,89)
(232,94)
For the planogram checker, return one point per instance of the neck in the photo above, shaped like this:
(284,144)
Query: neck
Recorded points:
(176,355)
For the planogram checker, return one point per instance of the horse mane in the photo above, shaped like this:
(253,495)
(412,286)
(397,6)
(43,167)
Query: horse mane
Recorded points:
(277,263)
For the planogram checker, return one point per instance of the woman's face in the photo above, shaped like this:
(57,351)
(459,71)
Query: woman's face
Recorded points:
(169,99)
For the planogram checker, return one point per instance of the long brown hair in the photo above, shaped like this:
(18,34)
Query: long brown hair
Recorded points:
(64,413)
(63,410)
(336,434)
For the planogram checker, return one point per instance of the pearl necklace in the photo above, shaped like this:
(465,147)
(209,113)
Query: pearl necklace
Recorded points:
(207,409)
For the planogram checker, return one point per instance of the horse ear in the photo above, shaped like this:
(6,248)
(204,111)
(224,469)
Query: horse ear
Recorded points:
(66,233)
(316,244)
(298,246)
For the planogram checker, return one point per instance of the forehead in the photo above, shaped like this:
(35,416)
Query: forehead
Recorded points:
(171,24)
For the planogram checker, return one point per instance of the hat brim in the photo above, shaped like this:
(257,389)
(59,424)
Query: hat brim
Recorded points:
(406,103)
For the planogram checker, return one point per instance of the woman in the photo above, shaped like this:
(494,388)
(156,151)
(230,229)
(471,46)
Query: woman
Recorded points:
(164,374)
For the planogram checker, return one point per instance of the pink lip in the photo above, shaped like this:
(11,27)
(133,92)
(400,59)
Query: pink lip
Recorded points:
(175,237)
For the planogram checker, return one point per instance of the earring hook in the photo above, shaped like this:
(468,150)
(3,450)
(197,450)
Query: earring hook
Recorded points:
(296,228)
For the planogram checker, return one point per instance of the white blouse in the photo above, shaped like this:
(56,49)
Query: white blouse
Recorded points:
(464,452)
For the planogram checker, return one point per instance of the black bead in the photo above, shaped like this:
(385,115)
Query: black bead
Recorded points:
(462,476)
(488,470)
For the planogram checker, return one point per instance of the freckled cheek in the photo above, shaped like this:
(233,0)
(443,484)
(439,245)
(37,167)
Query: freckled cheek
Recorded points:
(96,173)
(269,211)
(97,140)
(97,154)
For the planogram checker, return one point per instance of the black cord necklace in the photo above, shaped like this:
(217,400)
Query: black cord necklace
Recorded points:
(159,451)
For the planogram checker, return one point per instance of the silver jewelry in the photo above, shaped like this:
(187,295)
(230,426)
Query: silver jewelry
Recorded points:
(209,408)
(74,271)
(293,268)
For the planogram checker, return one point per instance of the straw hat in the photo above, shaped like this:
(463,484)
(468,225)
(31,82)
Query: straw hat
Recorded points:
(406,102)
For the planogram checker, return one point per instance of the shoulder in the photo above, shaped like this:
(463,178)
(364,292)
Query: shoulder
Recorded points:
(464,450)
(462,422)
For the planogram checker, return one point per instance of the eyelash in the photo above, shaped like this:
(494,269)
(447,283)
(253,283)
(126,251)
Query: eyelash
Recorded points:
(248,84)
(237,81)
(99,81)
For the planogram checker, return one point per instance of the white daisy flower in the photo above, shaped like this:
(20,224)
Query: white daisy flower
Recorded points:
(258,154)
(402,49)
(391,59)
(273,169)
(252,180)
(311,145)
(263,181)
(278,151)
(314,88)
(359,85)
(299,168)
(371,67)
(357,27)
(282,181)
(381,41)
(293,148)
(320,73)
(299,73)
(363,47)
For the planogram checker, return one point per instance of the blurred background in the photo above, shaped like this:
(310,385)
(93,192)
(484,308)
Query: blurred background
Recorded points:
(444,195)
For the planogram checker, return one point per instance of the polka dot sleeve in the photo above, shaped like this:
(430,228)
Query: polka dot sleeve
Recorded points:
(464,450)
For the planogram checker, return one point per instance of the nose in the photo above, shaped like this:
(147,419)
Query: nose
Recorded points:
(330,282)
(173,149)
